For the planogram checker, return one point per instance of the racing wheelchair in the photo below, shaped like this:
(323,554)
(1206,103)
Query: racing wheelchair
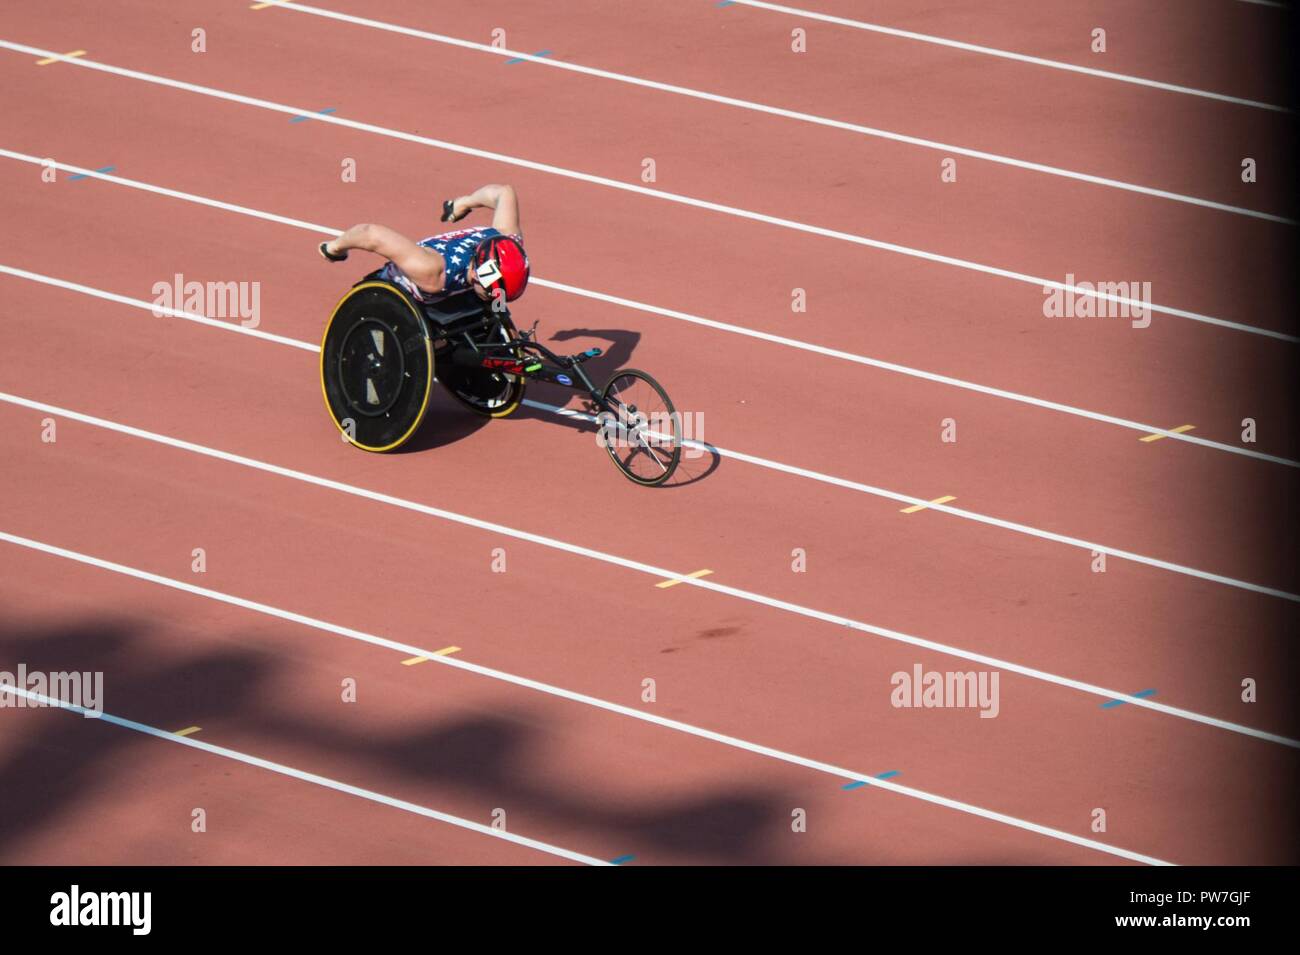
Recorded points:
(383,351)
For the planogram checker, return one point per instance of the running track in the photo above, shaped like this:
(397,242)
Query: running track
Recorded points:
(774,171)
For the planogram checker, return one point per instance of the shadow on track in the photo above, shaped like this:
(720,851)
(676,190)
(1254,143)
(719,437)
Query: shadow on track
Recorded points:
(57,771)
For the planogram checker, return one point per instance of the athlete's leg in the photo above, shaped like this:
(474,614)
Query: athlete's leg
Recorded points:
(423,266)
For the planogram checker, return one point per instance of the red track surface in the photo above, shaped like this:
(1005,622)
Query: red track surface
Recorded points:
(592,781)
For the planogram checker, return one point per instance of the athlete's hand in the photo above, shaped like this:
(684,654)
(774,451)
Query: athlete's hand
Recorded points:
(324,250)
(453,210)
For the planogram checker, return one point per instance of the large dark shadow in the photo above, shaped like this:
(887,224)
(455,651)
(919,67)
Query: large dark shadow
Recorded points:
(490,755)
(56,771)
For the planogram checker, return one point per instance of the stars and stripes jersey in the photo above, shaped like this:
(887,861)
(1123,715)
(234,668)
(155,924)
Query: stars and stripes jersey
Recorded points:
(456,249)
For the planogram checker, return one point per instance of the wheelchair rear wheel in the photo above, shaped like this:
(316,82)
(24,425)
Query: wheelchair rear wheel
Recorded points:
(376,366)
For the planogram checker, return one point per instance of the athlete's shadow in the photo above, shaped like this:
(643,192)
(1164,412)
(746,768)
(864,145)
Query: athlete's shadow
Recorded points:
(445,422)
(622,343)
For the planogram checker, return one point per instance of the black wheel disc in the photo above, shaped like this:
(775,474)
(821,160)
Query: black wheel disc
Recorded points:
(376,366)
(371,369)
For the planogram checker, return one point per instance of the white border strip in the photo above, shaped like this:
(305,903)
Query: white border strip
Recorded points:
(714,449)
(1007,54)
(659,573)
(731,741)
(301,775)
(946,148)
(657,310)
(966,264)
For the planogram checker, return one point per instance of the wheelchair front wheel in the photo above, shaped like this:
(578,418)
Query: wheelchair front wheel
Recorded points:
(641,429)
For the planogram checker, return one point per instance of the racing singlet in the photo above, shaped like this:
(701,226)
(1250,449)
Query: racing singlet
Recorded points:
(456,249)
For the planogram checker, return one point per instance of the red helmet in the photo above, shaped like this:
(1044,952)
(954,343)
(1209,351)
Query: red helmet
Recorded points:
(501,263)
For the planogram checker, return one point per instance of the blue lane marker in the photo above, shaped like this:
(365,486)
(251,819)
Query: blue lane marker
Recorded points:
(520,59)
(319,112)
(82,175)
(1111,703)
(621,859)
(725,3)
(859,783)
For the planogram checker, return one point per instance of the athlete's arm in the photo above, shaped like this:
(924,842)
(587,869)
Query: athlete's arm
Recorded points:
(422,266)
(501,199)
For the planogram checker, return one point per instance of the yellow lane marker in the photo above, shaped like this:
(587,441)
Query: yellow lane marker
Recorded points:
(920,507)
(188,731)
(444,652)
(664,584)
(263,6)
(55,59)
(1178,430)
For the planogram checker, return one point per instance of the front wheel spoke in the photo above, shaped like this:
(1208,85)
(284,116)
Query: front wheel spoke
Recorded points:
(650,450)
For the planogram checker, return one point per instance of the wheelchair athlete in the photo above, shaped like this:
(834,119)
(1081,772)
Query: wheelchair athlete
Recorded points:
(491,261)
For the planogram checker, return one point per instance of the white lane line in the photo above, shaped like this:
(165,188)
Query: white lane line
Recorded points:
(161,311)
(171,193)
(1007,54)
(680,316)
(678,726)
(790,224)
(790,469)
(913,372)
(949,509)
(659,573)
(301,775)
(946,148)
